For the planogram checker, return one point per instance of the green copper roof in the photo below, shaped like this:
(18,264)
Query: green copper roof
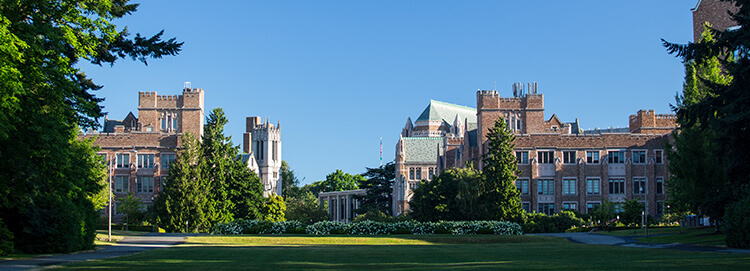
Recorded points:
(422,149)
(447,112)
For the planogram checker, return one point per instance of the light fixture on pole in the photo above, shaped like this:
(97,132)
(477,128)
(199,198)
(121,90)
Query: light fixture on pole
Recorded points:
(110,172)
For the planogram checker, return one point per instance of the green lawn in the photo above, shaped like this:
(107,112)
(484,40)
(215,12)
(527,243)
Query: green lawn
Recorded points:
(411,252)
(698,236)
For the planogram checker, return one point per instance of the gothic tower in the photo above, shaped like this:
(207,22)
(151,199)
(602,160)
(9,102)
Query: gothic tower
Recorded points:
(263,142)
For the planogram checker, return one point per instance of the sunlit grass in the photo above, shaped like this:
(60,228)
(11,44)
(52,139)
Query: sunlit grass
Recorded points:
(411,252)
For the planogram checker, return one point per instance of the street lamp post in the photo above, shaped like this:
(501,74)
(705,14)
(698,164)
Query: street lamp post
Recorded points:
(109,187)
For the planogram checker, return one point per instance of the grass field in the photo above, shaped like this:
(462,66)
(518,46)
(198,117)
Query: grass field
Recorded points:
(411,252)
(698,236)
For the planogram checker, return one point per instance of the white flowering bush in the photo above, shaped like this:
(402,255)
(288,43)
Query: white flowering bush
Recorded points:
(285,227)
(368,227)
(326,227)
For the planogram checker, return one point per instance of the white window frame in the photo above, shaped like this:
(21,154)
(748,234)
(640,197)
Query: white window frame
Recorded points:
(571,161)
(598,182)
(575,203)
(598,157)
(520,160)
(521,182)
(658,156)
(645,156)
(571,189)
(141,186)
(551,158)
(161,159)
(618,180)
(126,182)
(644,181)
(118,162)
(621,156)
(550,186)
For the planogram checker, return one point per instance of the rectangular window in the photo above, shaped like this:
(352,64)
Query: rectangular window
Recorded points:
(659,186)
(166,159)
(659,208)
(569,186)
(618,207)
(144,184)
(123,160)
(121,183)
(145,161)
(639,157)
(411,173)
(639,186)
(658,158)
(522,186)
(592,157)
(592,186)
(419,173)
(569,157)
(616,186)
(546,208)
(590,206)
(546,186)
(522,157)
(570,206)
(546,157)
(526,207)
(163,123)
(431,172)
(616,157)
(174,123)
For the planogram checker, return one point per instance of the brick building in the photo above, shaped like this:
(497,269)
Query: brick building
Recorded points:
(713,12)
(139,149)
(563,166)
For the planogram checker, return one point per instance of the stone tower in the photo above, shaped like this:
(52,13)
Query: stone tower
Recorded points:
(263,142)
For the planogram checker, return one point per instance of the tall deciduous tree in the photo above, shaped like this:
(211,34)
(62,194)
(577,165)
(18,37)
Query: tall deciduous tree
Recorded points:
(379,187)
(289,182)
(725,113)
(444,199)
(47,175)
(499,198)
(340,181)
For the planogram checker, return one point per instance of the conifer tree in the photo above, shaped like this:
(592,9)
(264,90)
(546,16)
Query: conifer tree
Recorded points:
(378,187)
(499,198)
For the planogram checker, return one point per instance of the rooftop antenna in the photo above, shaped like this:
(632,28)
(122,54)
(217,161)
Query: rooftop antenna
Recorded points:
(186,85)
(495,86)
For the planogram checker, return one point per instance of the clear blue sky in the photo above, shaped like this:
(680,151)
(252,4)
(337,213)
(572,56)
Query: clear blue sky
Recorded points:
(340,74)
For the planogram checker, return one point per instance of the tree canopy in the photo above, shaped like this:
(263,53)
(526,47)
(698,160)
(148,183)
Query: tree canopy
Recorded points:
(717,112)
(48,176)
(379,188)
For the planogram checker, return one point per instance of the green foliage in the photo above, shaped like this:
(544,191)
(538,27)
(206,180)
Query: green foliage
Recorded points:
(49,177)
(559,222)
(632,212)
(715,107)
(305,209)
(379,189)
(447,197)
(207,183)
(273,209)
(737,222)
(132,207)
(289,182)
(499,198)
(6,239)
(340,181)
(604,213)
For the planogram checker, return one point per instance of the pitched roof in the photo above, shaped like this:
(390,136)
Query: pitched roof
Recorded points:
(447,112)
(421,149)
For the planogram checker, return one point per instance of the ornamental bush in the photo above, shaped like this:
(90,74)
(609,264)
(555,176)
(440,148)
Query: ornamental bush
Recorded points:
(368,227)
(326,227)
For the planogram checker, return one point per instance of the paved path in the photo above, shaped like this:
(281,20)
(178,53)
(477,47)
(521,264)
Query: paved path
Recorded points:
(602,239)
(128,245)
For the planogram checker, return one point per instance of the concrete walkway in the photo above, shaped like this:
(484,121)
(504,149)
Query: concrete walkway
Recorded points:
(128,245)
(602,239)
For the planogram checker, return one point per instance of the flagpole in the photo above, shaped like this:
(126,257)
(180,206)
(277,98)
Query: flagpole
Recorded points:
(381,151)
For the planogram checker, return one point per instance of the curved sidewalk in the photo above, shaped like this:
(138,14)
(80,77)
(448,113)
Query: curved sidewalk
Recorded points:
(602,239)
(128,245)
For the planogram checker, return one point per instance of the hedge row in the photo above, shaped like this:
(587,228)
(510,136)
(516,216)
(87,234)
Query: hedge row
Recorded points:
(368,227)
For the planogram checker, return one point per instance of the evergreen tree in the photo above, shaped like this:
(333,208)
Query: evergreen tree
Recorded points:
(726,112)
(443,199)
(181,205)
(48,176)
(499,198)
(379,189)
(692,186)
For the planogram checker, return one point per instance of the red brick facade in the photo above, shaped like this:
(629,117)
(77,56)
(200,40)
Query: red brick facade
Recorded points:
(714,12)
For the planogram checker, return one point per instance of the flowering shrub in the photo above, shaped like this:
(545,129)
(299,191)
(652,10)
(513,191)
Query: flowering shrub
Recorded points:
(368,227)
(326,227)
